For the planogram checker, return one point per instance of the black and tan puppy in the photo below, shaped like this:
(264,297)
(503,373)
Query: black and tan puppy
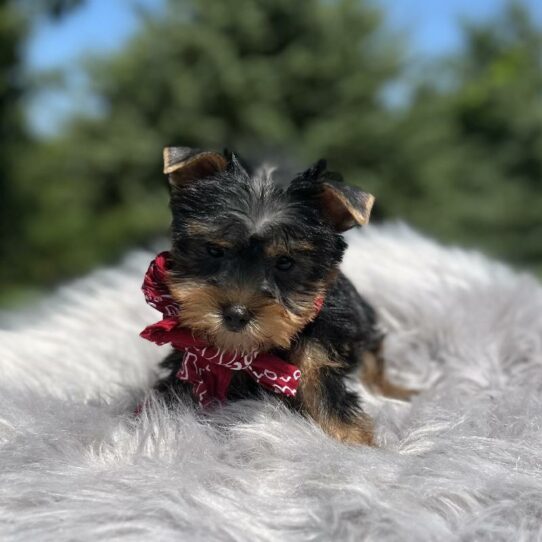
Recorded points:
(249,259)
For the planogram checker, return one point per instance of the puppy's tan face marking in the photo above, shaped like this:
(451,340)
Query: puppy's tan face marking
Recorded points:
(272,325)
(275,249)
(206,234)
(196,228)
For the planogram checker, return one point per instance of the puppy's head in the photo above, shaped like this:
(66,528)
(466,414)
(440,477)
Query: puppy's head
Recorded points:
(249,257)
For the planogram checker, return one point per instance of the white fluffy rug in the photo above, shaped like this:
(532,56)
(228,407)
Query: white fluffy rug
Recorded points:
(462,462)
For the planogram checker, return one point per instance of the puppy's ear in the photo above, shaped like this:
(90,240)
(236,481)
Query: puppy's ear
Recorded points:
(345,206)
(342,205)
(183,165)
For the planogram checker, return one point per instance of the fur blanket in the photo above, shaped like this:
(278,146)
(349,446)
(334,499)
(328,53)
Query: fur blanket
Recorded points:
(463,461)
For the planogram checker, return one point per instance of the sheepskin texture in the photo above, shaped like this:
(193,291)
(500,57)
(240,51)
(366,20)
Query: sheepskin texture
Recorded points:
(462,461)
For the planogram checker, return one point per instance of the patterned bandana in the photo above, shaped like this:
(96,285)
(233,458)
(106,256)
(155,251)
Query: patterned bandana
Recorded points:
(206,367)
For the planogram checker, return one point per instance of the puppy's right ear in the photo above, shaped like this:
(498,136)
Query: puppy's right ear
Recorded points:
(184,165)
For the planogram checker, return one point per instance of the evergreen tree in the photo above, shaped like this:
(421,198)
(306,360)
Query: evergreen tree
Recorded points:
(12,135)
(293,80)
(16,144)
(299,80)
(470,166)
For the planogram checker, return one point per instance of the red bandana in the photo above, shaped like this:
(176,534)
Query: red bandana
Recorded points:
(206,367)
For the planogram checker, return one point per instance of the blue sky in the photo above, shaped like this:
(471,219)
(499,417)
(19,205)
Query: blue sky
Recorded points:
(102,26)
(433,24)
(99,26)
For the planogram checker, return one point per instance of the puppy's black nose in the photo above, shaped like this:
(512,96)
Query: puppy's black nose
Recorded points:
(236,317)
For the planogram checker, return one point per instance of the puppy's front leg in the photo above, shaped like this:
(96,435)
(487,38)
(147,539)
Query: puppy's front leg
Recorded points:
(323,396)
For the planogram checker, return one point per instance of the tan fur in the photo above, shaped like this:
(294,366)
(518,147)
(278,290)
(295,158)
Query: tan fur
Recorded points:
(312,359)
(272,324)
(342,211)
(207,232)
(358,432)
(193,167)
(279,249)
(199,229)
(374,377)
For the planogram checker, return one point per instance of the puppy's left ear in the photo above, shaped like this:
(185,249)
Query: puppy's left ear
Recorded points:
(345,206)
(183,165)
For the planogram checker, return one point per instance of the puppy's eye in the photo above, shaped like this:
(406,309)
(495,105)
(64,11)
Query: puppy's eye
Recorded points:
(284,263)
(214,250)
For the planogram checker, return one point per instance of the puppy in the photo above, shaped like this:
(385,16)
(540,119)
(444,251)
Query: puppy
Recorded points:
(254,269)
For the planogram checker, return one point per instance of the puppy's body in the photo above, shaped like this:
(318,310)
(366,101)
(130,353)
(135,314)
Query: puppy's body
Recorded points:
(252,263)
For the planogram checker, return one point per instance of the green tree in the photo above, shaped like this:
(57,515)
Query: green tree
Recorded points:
(469,167)
(297,81)
(294,79)
(16,144)
(12,134)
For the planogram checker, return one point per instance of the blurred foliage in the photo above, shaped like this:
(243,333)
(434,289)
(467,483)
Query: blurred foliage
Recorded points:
(12,135)
(293,80)
(469,164)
